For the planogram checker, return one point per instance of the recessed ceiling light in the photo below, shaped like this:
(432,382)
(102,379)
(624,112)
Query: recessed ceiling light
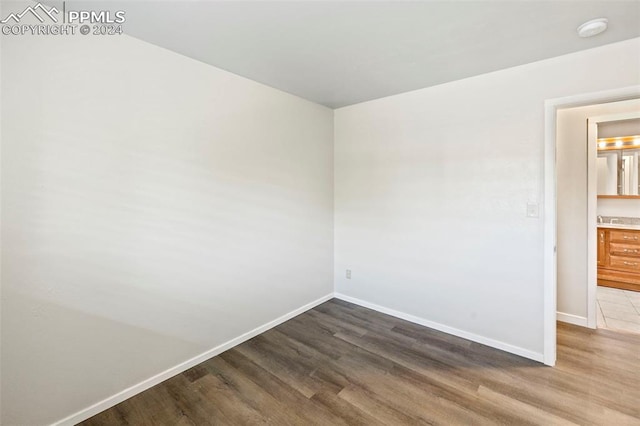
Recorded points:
(592,27)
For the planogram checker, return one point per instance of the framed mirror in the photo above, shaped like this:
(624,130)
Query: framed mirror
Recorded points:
(618,167)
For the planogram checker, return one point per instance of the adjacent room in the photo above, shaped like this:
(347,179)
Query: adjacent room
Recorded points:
(319,212)
(599,215)
(618,173)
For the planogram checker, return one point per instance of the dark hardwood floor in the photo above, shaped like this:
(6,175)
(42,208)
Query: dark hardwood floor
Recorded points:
(343,364)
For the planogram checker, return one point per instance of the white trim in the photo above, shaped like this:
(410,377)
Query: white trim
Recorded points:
(152,381)
(592,213)
(550,236)
(550,208)
(572,319)
(536,356)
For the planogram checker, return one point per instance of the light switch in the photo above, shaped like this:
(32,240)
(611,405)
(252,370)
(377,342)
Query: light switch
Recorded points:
(532,210)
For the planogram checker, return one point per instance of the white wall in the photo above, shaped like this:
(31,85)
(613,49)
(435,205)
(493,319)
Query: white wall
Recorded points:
(571,163)
(431,190)
(154,207)
(622,208)
(614,129)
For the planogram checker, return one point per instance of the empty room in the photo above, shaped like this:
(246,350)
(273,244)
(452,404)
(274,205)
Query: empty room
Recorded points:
(319,212)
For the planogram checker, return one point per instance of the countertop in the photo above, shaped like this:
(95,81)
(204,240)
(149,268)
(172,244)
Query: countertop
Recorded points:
(619,226)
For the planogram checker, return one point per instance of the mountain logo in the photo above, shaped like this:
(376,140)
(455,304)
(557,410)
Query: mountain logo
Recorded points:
(34,11)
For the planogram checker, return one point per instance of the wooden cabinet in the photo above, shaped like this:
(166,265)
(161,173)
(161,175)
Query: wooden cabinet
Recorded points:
(619,258)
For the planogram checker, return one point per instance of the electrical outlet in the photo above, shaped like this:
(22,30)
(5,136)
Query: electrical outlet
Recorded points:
(348,274)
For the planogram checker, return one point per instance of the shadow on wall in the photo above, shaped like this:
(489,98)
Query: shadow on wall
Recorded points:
(46,353)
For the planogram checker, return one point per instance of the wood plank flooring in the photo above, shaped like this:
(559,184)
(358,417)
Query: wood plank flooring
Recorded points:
(341,364)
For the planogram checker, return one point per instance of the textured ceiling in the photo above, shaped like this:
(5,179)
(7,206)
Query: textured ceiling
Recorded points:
(340,53)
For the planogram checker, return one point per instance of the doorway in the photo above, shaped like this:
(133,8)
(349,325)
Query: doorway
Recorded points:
(614,191)
(551,219)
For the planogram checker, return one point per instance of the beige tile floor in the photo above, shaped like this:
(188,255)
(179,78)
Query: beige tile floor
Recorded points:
(618,309)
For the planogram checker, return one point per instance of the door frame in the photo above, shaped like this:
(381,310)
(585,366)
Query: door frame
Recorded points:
(592,205)
(550,286)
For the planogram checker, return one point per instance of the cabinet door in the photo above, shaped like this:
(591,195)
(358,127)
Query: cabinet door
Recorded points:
(602,254)
(619,249)
(624,263)
(624,236)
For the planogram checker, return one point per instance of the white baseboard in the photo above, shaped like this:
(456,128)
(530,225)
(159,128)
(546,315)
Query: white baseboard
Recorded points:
(158,378)
(526,353)
(572,319)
